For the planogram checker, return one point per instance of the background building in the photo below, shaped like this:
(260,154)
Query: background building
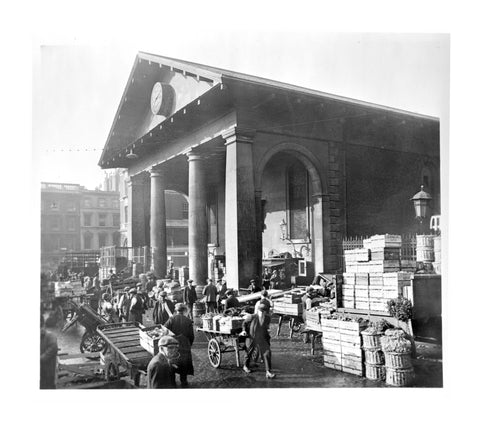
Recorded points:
(75,219)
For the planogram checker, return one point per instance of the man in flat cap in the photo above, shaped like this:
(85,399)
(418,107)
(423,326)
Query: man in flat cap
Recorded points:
(182,328)
(161,369)
(189,297)
(136,307)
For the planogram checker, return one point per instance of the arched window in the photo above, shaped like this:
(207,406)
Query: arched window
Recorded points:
(298,201)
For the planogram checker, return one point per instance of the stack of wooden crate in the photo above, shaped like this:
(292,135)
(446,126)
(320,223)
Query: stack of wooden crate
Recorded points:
(373,274)
(341,342)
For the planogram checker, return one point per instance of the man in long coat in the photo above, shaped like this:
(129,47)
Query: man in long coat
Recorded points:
(210,293)
(163,309)
(189,297)
(48,357)
(160,371)
(257,328)
(182,328)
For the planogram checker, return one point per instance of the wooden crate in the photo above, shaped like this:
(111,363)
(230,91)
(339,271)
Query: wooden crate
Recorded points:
(348,278)
(292,298)
(352,325)
(313,316)
(355,339)
(397,279)
(358,372)
(362,255)
(348,291)
(207,323)
(351,349)
(375,279)
(361,279)
(149,343)
(332,356)
(361,292)
(329,323)
(381,254)
(385,240)
(332,366)
(352,362)
(351,267)
(348,302)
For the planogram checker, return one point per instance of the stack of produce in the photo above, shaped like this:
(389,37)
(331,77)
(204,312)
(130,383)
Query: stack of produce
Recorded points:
(63,289)
(374,357)
(397,350)
(341,342)
(373,274)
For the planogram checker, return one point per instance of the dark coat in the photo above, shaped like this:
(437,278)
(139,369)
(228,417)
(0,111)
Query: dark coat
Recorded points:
(259,332)
(210,292)
(189,295)
(159,373)
(48,360)
(182,328)
(231,302)
(160,314)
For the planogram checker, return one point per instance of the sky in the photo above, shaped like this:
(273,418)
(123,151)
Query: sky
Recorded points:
(77,88)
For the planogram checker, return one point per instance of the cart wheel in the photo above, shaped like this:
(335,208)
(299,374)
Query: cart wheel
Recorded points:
(111,371)
(214,353)
(91,342)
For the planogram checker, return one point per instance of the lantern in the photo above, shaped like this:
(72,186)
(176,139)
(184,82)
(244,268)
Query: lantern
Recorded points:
(420,202)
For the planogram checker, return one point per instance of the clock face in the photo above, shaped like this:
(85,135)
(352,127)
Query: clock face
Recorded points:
(156,98)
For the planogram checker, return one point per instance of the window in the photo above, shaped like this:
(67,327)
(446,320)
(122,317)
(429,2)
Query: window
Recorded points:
(125,210)
(298,205)
(71,223)
(185,210)
(102,219)
(102,202)
(87,219)
(87,202)
(55,223)
(116,220)
(102,240)
(53,205)
(87,240)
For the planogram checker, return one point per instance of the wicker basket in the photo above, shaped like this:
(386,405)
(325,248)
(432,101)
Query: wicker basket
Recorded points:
(375,372)
(374,356)
(371,340)
(400,377)
(398,360)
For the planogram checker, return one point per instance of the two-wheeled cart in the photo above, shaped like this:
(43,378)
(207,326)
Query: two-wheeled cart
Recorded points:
(91,341)
(221,342)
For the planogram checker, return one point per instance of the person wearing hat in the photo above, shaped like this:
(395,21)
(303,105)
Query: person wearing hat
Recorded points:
(163,308)
(253,287)
(135,307)
(161,368)
(189,297)
(182,328)
(257,326)
(221,293)
(123,305)
(231,301)
(210,293)
(307,303)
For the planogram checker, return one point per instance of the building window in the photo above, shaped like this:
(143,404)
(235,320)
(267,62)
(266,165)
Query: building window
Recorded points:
(87,219)
(102,219)
(55,223)
(102,240)
(54,205)
(185,210)
(125,214)
(297,201)
(87,241)
(87,202)
(116,220)
(102,202)
(71,223)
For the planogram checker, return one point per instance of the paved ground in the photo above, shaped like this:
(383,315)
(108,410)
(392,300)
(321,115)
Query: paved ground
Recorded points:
(292,362)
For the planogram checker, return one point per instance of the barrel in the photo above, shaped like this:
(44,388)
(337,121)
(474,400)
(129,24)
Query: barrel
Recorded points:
(198,309)
(425,252)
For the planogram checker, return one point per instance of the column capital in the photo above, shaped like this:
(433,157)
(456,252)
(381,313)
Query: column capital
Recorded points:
(156,171)
(236,134)
(195,155)
(136,180)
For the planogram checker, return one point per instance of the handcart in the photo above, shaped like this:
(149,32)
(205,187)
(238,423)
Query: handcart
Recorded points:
(221,342)
(124,350)
(91,341)
(294,321)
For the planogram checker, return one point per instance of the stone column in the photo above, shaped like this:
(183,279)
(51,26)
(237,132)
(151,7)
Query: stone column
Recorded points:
(197,220)
(158,223)
(318,203)
(136,212)
(240,210)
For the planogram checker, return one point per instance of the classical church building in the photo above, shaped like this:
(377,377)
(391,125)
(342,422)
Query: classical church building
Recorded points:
(267,167)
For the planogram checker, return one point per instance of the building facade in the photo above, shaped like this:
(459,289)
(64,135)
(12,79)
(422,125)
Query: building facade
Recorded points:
(268,168)
(75,219)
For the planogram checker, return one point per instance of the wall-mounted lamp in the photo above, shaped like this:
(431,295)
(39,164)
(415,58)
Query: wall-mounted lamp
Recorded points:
(131,155)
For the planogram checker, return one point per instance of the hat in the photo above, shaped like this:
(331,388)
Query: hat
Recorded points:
(162,294)
(132,291)
(252,280)
(190,280)
(180,307)
(139,284)
(167,340)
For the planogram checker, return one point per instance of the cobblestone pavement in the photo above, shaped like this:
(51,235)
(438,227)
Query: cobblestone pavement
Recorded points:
(292,361)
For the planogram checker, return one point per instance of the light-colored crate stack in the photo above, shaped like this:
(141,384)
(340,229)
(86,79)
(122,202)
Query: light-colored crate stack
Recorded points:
(312,319)
(397,351)
(373,354)
(341,343)
(373,274)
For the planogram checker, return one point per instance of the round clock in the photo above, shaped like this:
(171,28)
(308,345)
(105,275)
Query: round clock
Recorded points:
(161,100)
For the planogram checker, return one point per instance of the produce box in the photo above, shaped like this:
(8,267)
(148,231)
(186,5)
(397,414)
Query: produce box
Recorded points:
(352,362)
(331,345)
(361,279)
(348,278)
(347,291)
(375,292)
(149,337)
(350,256)
(216,322)
(361,292)
(375,279)
(363,255)
(379,306)
(385,241)
(292,298)
(348,302)
(351,267)
(227,324)
(332,357)
(387,254)
(313,316)
(312,325)
(355,339)
(398,279)
(287,308)
(358,326)
(332,365)
(207,323)
(329,323)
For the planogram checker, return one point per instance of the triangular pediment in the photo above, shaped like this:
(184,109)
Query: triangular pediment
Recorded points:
(174,85)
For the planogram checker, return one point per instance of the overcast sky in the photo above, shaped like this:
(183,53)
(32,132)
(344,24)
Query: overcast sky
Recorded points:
(77,89)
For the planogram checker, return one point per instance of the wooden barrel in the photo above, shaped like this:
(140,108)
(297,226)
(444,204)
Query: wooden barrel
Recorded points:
(425,252)
(198,309)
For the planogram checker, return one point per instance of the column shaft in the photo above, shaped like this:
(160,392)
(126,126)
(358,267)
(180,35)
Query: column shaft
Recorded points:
(158,223)
(197,220)
(136,212)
